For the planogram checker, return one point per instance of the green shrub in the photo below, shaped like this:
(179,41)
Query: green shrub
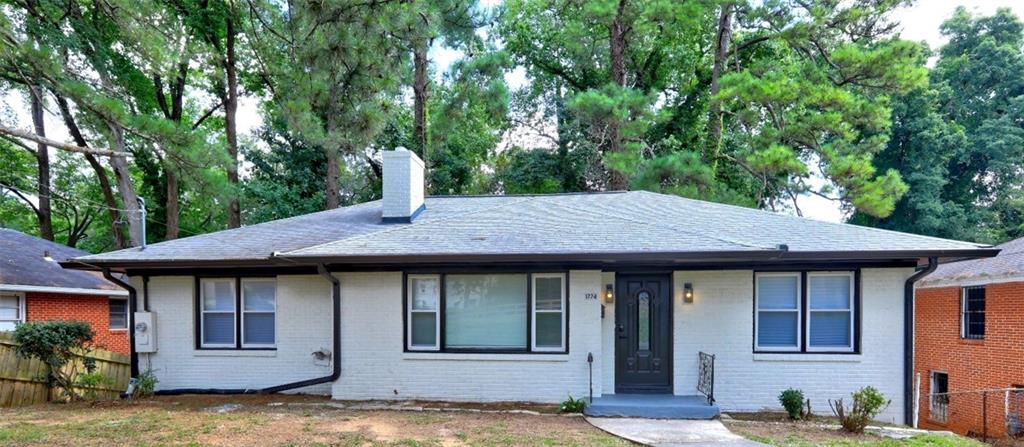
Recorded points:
(793,401)
(571,405)
(145,384)
(57,344)
(867,403)
(90,384)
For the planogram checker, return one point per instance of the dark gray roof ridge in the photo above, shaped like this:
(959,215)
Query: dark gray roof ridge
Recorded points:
(674,228)
(800,218)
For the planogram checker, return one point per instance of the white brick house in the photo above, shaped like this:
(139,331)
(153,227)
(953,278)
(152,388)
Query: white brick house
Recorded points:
(530,298)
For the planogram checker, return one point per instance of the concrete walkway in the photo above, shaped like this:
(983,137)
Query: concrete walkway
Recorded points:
(674,432)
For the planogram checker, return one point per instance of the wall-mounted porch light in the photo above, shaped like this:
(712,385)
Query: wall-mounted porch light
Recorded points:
(688,292)
(609,294)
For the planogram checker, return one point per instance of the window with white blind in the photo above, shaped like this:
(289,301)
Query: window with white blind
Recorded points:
(424,314)
(12,310)
(805,312)
(778,311)
(218,313)
(493,312)
(237,313)
(259,310)
(830,311)
(548,312)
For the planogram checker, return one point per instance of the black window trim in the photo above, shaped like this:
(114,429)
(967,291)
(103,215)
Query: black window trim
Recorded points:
(804,314)
(197,314)
(963,313)
(441,349)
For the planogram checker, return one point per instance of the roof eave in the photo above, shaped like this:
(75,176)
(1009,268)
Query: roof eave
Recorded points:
(594,257)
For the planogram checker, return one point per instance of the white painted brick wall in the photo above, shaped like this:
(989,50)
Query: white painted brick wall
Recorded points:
(375,367)
(303,326)
(720,322)
(608,336)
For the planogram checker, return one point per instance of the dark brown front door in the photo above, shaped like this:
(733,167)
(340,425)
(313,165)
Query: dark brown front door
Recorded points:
(643,343)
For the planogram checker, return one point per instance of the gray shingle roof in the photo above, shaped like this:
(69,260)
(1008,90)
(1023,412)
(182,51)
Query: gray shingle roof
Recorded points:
(1009,264)
(23,263)
(556,224)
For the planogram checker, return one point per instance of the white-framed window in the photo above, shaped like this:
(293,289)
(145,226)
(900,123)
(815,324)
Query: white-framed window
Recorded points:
(12,310)
(548,312)
(972,312)
(217,312)
(118,314)
(830,297)
(259,312)
(424,317)
(778,312)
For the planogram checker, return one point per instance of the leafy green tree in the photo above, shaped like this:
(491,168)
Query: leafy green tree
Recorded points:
(332,69)
(730,101)
(960,143)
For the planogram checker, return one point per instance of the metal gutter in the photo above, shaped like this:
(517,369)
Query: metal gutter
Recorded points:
(679,257)
(908,337)
(68,290)
(131,319)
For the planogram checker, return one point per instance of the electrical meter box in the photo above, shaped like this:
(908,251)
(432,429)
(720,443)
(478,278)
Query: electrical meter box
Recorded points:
(145,332)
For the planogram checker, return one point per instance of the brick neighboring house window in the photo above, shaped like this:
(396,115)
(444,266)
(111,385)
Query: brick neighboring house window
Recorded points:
(972,313)
(939,397)
(12,310)
(118,314)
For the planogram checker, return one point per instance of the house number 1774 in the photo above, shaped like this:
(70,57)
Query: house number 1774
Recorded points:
(590,296)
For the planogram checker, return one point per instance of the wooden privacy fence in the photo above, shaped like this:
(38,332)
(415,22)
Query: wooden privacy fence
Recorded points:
(23,381)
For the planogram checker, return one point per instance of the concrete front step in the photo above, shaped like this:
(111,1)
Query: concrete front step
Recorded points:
(653,406)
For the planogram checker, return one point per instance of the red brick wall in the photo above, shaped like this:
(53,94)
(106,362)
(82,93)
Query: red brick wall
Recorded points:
(993,363)
(89,308)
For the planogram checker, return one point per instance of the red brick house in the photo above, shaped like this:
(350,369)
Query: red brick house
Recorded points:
(970,338)
(34,287)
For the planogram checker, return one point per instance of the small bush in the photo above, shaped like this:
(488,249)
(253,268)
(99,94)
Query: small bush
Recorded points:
(57,344)
(571,405)
(867,403)
(793,401)
(145,385)
(91,382)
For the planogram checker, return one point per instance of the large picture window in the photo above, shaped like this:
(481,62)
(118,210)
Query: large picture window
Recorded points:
(501,312)
(236,313)
(805,312)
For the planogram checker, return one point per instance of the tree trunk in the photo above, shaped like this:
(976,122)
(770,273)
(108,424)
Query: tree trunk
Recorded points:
(617,48)
(129,199)
(230,125)
(714,144)
(173,207)
(419,89)
(44,211)
(101,173)
(331,199)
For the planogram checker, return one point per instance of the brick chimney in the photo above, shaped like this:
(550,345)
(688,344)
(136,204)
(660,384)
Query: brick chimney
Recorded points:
(403,186)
